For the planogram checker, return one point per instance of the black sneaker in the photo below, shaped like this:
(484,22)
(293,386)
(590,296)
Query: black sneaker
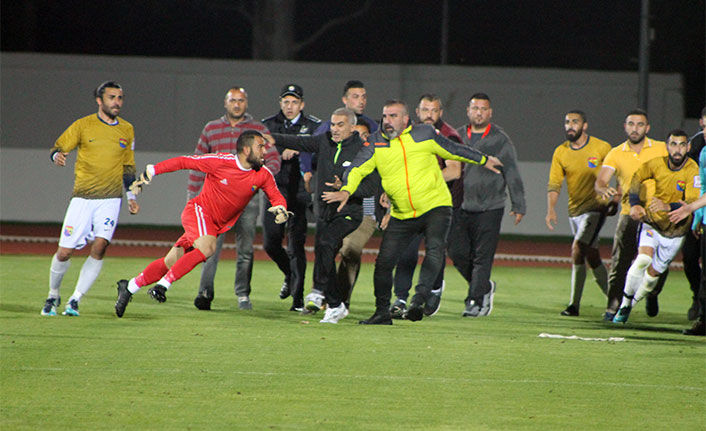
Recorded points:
(158,293)
(124,296)
(202,302)
(698,329)
(433,304)
(378,318)
(398,308)
(693,312)
(472,309)
(284,291)
(415,312)
(571,310)
(651,305)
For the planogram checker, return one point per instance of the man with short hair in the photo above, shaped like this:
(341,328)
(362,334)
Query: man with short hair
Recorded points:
(676,183)
(404,157)
(104,165)
(578,160)
(220,136)
(623,161)
(429,111)
(230,182)
(484,196)
(290,120)
(336,150)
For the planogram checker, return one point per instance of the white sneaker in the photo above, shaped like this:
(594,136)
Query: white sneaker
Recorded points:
(333,315)
(314,302)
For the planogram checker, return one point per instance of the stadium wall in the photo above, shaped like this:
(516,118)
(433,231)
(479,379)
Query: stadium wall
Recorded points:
(168,100)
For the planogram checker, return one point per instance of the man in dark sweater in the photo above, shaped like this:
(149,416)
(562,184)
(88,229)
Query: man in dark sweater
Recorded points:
(336,150)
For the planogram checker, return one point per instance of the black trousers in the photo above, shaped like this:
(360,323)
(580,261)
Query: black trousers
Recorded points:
(475,239)
(404,271)
(691,252)
(291,262)
(329,239)
(434,227)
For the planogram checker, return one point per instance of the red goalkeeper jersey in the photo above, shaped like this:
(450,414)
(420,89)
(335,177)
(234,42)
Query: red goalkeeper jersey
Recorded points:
(228,186)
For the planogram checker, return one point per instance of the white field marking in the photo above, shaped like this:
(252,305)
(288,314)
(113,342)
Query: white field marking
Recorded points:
(576,337)
(376,377)
(259,247)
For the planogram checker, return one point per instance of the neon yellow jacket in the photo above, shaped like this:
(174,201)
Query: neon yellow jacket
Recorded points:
(407,165)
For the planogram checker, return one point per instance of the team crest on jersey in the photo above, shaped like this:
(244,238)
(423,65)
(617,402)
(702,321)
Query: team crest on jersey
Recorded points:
(122,142)
(68,230)
(650,233)
(697,181)
(253,188)
(592,162)
(681,186)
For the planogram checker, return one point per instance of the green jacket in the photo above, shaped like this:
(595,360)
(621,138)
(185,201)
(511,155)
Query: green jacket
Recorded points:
(407,165)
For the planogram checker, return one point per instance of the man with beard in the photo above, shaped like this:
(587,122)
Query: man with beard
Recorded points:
(336,150)
(623,161)
(290,120)
(404,155)
(578,160)
(484,196)
(230,182)
(429,111)
(104,165)
(676,181)
(220,136)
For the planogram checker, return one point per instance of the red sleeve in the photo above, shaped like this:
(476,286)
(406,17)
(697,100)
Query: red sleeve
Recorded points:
(197,163)
(271,190)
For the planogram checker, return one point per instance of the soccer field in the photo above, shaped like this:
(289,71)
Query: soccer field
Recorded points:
(171,366)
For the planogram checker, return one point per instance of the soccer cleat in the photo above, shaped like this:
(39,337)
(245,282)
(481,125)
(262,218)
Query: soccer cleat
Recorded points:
(71,308)
(472,309)
(158,293)
(571,310)
(334,314)
(433,304)
(398,308)
(314,302)
(50,305)
(486,305)
(608,316)
(622,315)
(297,309)
(202,302)
(244,303)
(698,329)
(378,318)
(651,305)
(284,291)
(124,296)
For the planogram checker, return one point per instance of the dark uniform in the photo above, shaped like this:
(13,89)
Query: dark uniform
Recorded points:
(289,181)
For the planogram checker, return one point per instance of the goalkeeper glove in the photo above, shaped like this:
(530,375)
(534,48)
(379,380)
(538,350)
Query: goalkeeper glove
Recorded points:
(281,213)
(144,179)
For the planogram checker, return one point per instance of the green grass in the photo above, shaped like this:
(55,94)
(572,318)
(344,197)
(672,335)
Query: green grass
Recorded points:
(170,366)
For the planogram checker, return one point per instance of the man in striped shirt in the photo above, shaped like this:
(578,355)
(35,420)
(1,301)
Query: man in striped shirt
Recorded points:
(220,136)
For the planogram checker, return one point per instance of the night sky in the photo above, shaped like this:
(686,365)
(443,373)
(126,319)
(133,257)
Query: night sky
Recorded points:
(578,34)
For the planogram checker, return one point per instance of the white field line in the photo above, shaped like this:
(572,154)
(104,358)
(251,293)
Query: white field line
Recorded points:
(378,377)
(370,251)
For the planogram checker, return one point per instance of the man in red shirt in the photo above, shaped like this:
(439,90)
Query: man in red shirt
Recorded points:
(230,182)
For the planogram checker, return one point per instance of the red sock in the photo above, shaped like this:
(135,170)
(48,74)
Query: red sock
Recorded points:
(152,273)
(184,265)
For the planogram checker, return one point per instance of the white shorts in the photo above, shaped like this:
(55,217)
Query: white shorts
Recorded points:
(665,248)
(586,227)
(86,219)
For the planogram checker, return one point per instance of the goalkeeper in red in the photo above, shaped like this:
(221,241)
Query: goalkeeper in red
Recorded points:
(231,181)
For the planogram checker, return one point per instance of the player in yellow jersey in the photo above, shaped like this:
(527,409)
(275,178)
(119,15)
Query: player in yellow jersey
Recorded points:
(104,165)
(578,160)
(622,161)
(676,179)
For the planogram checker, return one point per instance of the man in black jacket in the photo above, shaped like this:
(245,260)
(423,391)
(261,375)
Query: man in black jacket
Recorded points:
(290,120)
(336,150)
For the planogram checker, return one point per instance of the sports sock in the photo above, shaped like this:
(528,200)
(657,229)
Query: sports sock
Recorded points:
(578,278)
(601,276)
(56,274)
(132,286)
(648,284)
(149,275)
(182,267)
(89,272)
